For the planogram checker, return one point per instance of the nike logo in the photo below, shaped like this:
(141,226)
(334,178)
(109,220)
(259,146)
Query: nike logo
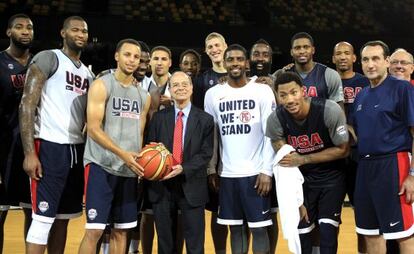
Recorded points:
(222,98)
(264,212)
(393,224)
(376,106)
(337,214)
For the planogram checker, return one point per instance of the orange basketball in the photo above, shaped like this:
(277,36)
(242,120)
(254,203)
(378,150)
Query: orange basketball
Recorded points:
(156,161)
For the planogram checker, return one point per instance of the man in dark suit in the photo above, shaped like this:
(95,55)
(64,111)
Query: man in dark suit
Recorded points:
(188,132)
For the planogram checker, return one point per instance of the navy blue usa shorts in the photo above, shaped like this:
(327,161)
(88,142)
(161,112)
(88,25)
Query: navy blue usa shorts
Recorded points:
(110,199)
(378,207)
(58,194)
(239,201)
(323,205)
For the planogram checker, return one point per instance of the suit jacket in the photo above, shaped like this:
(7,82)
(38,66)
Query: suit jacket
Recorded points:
(197,152)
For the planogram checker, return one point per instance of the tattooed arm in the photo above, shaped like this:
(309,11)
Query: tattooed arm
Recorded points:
(35,80)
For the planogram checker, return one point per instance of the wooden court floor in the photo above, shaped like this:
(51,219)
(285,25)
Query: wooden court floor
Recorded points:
(14,244)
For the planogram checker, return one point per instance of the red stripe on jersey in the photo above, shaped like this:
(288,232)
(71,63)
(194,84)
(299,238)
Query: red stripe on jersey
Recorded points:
(33,182)
(86,175)
(406,209)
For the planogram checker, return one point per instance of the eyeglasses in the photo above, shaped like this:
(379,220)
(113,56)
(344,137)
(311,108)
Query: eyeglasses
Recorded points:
(402,62)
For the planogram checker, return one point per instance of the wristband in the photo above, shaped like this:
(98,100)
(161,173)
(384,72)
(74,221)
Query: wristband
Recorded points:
(411,172)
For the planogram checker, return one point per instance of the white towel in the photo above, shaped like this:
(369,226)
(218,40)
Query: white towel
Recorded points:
(289,193)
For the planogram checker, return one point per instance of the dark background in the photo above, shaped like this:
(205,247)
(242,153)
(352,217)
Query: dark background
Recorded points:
(184,24)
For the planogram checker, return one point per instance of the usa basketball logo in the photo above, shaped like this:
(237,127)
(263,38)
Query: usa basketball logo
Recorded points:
(92,213)
(43,206)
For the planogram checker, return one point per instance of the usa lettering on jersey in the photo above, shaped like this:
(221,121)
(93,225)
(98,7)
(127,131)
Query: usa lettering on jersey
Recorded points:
(306,144)
(350,93)
(18,80)
(235,116)
(310,91)
(126,108)
(76,83)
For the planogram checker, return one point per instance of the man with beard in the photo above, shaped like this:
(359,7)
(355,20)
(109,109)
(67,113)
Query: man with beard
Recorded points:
(14,185)
(240,108)
(260,66)
(352,82)
(261,61)
(316,129)
(52,117)
(319,80)
(402,65)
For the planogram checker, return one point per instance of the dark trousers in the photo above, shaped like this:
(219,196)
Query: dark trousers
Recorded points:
(165,216)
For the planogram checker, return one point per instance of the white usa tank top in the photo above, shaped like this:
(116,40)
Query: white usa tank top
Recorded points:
(62,109)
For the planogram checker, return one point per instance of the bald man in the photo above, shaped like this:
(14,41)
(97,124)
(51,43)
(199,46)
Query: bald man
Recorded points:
(352,82)
(401,65)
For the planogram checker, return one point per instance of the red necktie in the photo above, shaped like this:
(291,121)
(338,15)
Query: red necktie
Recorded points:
(178,140)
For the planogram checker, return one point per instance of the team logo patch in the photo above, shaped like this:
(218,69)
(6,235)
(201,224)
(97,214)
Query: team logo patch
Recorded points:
(211,82)
(11,66)
(341,130)
(92,213)
(43,206)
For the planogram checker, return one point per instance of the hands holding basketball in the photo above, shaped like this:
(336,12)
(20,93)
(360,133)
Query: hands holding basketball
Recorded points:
(130,159)
(176,170)
(156,161)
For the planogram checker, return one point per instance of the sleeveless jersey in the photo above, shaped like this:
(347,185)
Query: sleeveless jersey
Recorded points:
(61,112)
(121,123)
(352,87)
(315,83)
(311,137)
(12,78)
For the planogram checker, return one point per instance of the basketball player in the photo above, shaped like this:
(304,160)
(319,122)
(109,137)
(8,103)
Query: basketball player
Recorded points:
(215,45)
(51,122)
(402,65)
(240,108)
(384,190)
(319,80)
(316,128)
(160,63)
(261,61)
(260,66)
(352,82)
(114,101)
(14,185)
(190,63)
(188,132)
(161,60)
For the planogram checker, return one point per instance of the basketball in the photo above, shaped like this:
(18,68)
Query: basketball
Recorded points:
(156,161)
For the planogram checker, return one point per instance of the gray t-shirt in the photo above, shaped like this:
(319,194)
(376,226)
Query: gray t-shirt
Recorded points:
(334,120)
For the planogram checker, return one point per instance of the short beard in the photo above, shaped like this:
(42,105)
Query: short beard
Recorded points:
(138,77)
(260,73)
(22,46)
(72,45)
